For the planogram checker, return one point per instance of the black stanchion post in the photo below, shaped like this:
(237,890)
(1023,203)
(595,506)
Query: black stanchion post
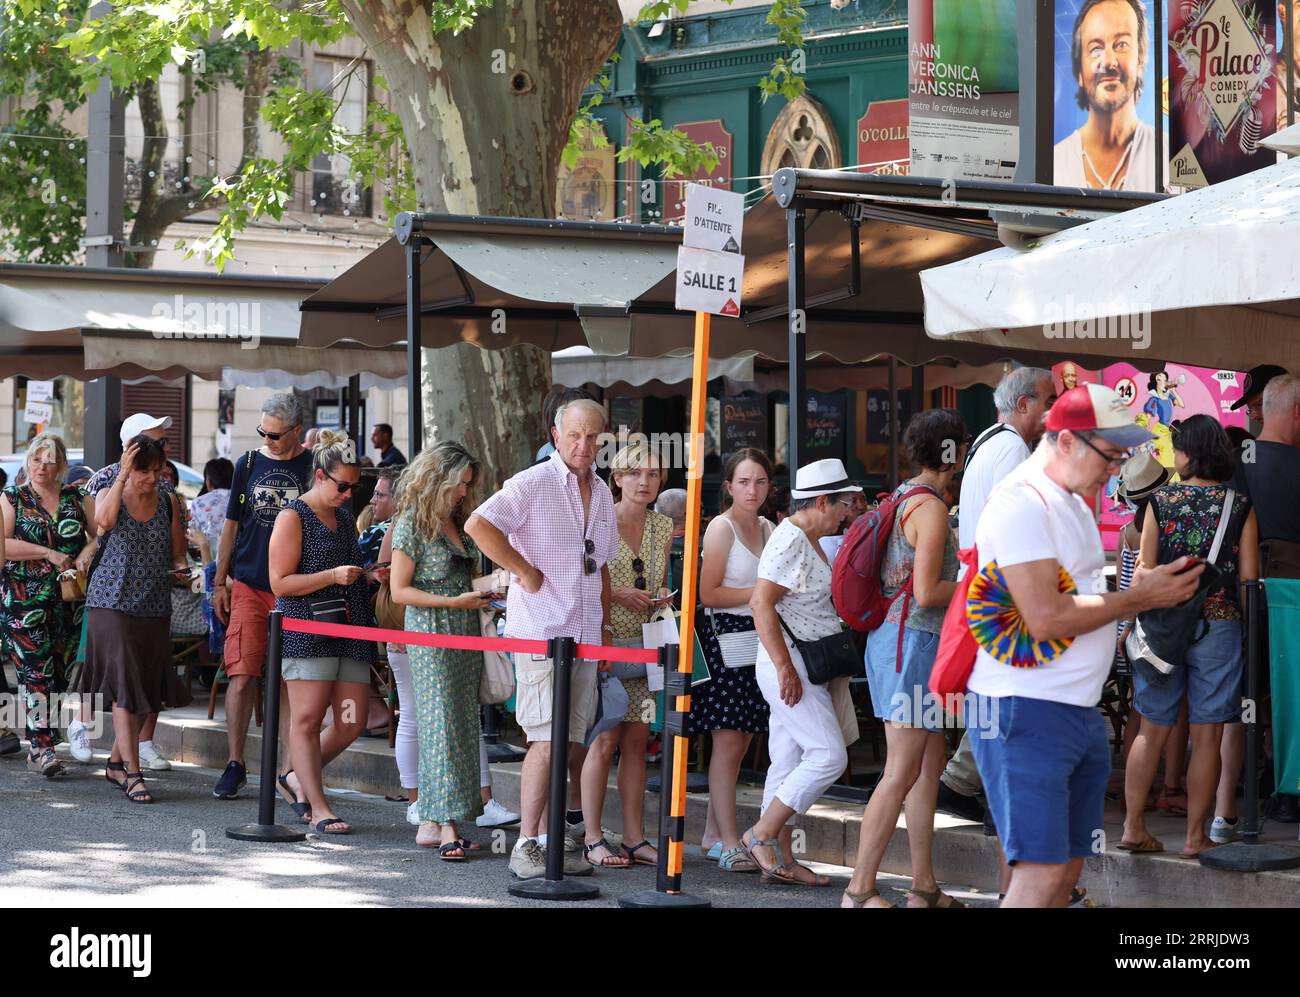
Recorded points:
(1249,855)
(266,829)
(554,886)
(672,826)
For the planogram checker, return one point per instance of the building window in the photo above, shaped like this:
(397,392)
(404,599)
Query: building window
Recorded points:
(802,137)
(348,81)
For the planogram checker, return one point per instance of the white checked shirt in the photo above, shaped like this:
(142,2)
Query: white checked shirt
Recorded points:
(540,512)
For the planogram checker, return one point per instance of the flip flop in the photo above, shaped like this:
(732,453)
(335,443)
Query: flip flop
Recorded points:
(324,826)
(301,810)
(1148,846)
(1193,856)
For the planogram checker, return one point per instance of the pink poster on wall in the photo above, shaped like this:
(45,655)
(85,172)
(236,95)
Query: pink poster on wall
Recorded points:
(1157,400)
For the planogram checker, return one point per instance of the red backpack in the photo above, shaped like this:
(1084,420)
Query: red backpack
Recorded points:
(856,588)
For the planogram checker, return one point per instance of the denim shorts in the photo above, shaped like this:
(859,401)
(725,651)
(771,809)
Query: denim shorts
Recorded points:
(903,696)
(1045,766)
(1210,677)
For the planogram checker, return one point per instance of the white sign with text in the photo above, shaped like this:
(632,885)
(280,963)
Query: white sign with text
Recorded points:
(709,281)
(713,219)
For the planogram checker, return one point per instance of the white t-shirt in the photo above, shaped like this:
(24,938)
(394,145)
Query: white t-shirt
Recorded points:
(1019,526)
(997,456)
(790,561)
(1067,161)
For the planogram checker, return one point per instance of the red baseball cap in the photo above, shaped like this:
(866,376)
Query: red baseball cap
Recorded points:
(1094,408)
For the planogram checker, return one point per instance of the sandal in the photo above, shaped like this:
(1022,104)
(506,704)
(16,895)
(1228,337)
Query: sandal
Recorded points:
(785,874)
(300,809)
(448,850)
(631,853)
(860,899)
(116,767)
(611,861)
(773,872)
(736,860)
(1165,802)
(327,826)
(141,795)
(935,898)
(1147,846)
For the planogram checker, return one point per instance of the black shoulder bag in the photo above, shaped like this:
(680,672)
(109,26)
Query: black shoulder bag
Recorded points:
(829,657)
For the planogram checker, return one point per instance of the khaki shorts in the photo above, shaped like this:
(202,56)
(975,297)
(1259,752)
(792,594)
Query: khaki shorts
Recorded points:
(334,669)
(535,691)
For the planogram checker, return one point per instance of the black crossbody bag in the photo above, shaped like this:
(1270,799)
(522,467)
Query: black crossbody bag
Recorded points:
(830,657)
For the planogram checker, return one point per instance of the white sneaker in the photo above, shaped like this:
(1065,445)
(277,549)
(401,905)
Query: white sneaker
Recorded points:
(527,860)
(79,742)
(152,761)
(495,815)
(413,813)
(1223,830)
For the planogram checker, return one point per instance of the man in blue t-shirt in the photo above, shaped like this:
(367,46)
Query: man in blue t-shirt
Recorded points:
(265,481)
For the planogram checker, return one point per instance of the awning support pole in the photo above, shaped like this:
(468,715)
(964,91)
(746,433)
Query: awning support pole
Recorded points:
(798,319)
(414,316)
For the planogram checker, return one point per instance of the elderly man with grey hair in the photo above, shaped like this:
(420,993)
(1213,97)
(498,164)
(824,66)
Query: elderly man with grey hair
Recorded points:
(1022,399)
(266,480)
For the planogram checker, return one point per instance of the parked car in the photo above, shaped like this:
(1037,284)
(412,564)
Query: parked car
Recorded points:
(191,480)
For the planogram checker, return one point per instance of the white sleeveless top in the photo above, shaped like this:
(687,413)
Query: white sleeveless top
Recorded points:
(741,571)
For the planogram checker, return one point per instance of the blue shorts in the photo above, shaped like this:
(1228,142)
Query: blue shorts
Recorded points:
(903,696)
(1210,677)
(1045,766)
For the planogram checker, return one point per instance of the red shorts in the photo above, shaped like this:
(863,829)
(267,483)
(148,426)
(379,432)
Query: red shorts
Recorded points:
(246,633)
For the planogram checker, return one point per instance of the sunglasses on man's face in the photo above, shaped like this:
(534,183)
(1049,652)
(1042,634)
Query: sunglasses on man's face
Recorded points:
(273,437)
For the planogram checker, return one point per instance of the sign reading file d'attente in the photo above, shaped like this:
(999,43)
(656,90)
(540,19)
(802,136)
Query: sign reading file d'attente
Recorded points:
(710,269)
(713,219)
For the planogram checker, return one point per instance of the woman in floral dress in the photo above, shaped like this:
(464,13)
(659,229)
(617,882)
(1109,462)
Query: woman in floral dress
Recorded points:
(49,529)
(433,563)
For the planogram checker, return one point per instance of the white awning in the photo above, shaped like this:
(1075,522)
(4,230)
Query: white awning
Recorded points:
(580,365)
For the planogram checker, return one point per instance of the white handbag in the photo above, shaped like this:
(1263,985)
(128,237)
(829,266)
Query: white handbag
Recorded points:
(739,650)
(496,684)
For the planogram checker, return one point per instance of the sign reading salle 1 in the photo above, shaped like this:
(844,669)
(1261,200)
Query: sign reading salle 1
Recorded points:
(710,269)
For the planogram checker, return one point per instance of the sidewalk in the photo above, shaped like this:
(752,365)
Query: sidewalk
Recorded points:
(962,854)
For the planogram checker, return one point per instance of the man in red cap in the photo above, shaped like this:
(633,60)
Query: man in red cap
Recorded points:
(1043,619)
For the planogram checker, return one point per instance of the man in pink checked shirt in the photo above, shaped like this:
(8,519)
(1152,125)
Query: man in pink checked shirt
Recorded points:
(553,527)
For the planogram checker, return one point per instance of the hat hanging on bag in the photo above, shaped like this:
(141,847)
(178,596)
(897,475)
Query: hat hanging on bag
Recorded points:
(1094,408)
(1140,476)
(139,423)
(1257,379)
(822,477)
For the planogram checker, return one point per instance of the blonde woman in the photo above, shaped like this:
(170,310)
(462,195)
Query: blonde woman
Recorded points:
(49,528)
(637,575)
(314,564)
(433,562)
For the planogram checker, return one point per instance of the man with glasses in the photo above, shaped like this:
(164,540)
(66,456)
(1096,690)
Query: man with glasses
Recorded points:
(552,525)
(265,481)
(155,427)
(1043,620)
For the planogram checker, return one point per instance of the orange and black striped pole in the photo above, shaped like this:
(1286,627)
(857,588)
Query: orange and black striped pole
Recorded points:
(677,681)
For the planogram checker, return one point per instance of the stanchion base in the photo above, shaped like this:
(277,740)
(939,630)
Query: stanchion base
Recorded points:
(1240,857)
(553,889)
(265,832)
(503,752)
(653,898)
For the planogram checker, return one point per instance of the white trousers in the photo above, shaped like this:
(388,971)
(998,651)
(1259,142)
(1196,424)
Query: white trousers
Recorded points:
(804,741)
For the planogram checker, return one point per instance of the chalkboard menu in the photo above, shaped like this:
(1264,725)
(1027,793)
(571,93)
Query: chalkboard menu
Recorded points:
(878,415)
(744,423)
(825,426)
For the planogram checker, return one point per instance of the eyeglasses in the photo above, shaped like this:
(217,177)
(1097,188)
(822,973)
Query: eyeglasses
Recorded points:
(1116,461)
(343,486)
(273,437)
(847,503)
(589,565)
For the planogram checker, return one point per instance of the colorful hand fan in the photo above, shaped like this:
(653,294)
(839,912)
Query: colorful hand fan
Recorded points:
(998,627)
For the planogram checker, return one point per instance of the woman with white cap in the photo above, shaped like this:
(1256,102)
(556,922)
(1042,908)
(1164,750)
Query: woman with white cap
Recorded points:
(792,602)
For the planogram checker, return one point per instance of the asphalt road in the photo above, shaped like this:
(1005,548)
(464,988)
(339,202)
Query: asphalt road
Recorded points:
(75,842)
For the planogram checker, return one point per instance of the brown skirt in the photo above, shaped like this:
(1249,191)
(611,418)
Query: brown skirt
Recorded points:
(129,662)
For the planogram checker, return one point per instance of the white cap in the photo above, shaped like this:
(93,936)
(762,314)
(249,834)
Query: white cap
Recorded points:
(136,424)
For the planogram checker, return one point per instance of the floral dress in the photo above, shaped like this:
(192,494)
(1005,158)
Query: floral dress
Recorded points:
(445,680)
(655,537)
(41,630)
